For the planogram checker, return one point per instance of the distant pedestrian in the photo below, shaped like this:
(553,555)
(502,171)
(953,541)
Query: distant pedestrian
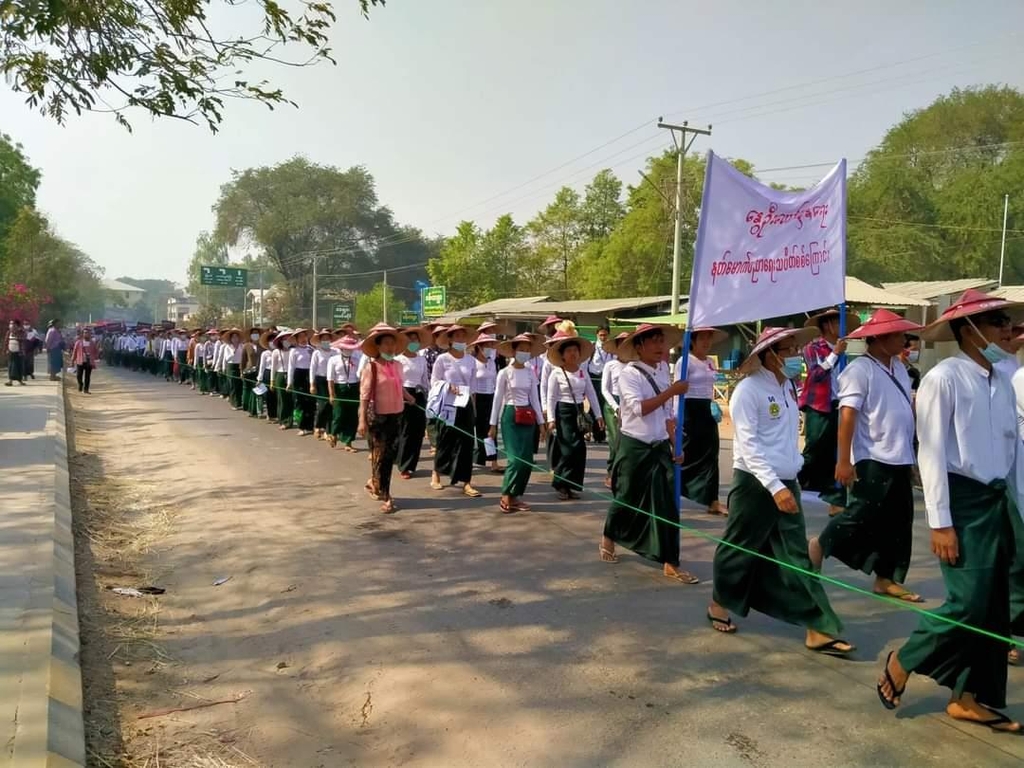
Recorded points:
(595,367)
(84,357)
(484,351)
(343,393)
(415,381)
(14,341)
(33,343)
(54,349)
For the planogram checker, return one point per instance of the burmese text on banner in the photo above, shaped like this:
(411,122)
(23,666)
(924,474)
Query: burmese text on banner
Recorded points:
(762,253)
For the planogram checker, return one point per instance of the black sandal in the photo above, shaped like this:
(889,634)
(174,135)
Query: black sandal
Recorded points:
(998,719)
(831,648)
(730,628)
(889,704)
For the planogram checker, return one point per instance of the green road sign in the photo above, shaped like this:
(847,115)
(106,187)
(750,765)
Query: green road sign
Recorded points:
(434,301)
(408,319)
(224,277)
(343,312)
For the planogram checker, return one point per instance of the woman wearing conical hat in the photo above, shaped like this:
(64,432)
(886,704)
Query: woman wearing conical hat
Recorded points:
(484,352)
(279,378)
(569,387)
(610,390)
(322,354)
(453,375)
(299,382)
(343,393)
(416,382)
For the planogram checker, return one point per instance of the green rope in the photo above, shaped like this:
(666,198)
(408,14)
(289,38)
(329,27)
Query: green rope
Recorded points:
(891,601)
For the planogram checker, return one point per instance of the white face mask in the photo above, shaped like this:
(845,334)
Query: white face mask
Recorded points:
(254,336)
(522,357)
(913,356)
(490,354)
(286,344)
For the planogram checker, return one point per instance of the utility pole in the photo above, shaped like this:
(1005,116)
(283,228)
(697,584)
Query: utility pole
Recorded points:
(314,293)
(1002,248)
(384,296)
(260,323)
(682,146)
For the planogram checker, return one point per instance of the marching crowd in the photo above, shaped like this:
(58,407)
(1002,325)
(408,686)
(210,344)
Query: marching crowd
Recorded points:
(868,426)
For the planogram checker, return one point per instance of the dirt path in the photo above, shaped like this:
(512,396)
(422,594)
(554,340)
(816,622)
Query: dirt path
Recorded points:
(446,635)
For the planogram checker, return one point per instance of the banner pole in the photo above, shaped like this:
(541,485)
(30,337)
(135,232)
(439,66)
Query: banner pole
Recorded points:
(684,364)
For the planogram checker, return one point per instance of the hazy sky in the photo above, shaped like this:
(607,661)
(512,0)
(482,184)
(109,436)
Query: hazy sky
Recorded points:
(454,105)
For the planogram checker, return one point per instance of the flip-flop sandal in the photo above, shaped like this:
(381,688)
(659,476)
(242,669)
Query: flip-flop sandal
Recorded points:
(505,507)
(497,471)
(607,556)
(718,512)
(889,704)
(436,486)
(563,496)
(906,596)
(683,577)
(519,506)
(831,648)
(473,493)
(998,719)
(574,496)
(716,622)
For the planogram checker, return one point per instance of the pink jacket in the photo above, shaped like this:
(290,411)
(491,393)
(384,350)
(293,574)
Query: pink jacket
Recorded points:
(82,349)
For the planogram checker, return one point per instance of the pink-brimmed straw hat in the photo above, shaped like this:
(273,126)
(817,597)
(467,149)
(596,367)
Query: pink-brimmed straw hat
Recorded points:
(627,352)
(507,348)
(770,337)
(717,334)
(346,344)
(552,320)
(972,302)
(558,342)
(883,323)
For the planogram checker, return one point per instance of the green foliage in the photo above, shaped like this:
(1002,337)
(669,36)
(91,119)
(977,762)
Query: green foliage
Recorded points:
(928,202)
(370,307)
(43,261)
(210,252)
(557,235)
(152,307)
(18,184)
(298,210)
(166,57)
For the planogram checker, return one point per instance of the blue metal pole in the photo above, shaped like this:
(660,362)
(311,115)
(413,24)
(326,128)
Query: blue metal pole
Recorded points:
(684,363)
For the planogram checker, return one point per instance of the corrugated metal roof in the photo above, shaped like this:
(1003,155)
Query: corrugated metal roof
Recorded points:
(1011,292)
(542,306)
(114,285)
(932,289)
(859,292)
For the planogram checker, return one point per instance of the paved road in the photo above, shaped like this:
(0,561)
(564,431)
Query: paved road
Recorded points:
(451,635)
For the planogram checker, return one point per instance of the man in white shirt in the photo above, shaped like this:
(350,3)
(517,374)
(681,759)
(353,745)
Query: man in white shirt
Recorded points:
(765,516)
(876,461)
(972,469)
(645,515)
(610,392)
(595,367)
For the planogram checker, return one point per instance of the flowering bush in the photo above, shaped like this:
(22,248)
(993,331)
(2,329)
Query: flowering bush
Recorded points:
(19,302)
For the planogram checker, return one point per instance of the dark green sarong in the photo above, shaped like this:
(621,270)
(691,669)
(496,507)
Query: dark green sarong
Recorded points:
(876,532)
(345,415)
(611,425)
(700,451)
(821,443)
(978,587)
(518,441)
(642,480)
(1017,573)
(569,450)
(234,379)
(285,401)
(745,582)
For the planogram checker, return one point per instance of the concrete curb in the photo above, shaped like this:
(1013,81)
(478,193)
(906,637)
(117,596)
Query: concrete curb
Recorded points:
(65,731)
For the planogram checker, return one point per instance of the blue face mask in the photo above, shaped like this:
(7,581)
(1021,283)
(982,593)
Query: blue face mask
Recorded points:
(522,357)
(325,345)
(459,346)
(413,346)
(387,357)
(995,354)
(792,367)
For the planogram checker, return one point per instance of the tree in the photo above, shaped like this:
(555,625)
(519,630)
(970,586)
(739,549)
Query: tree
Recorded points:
(297,211)
(44,262)
(557,234)
(505,255)
(152,307)
(163,56)
(602,205)
(18,184)
(461,269)
(927,202)
(370,307)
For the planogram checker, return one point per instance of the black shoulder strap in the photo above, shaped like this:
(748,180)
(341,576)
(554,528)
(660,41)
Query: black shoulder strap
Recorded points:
(647,376)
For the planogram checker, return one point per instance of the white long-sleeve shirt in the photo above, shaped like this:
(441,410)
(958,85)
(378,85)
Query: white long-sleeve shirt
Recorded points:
(597,362)
(766,429)
(884,430)
(610,383)
(318,361)
(264,366)
(545,374)
(966,426)
(517,387)
(414,372)
(342,369)
(278,361)
(453,371)
(634,388)
(485,375)
(570,388)
(298,357)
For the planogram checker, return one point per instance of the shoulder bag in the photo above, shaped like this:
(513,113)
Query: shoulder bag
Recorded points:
(524,415)
(584,420)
